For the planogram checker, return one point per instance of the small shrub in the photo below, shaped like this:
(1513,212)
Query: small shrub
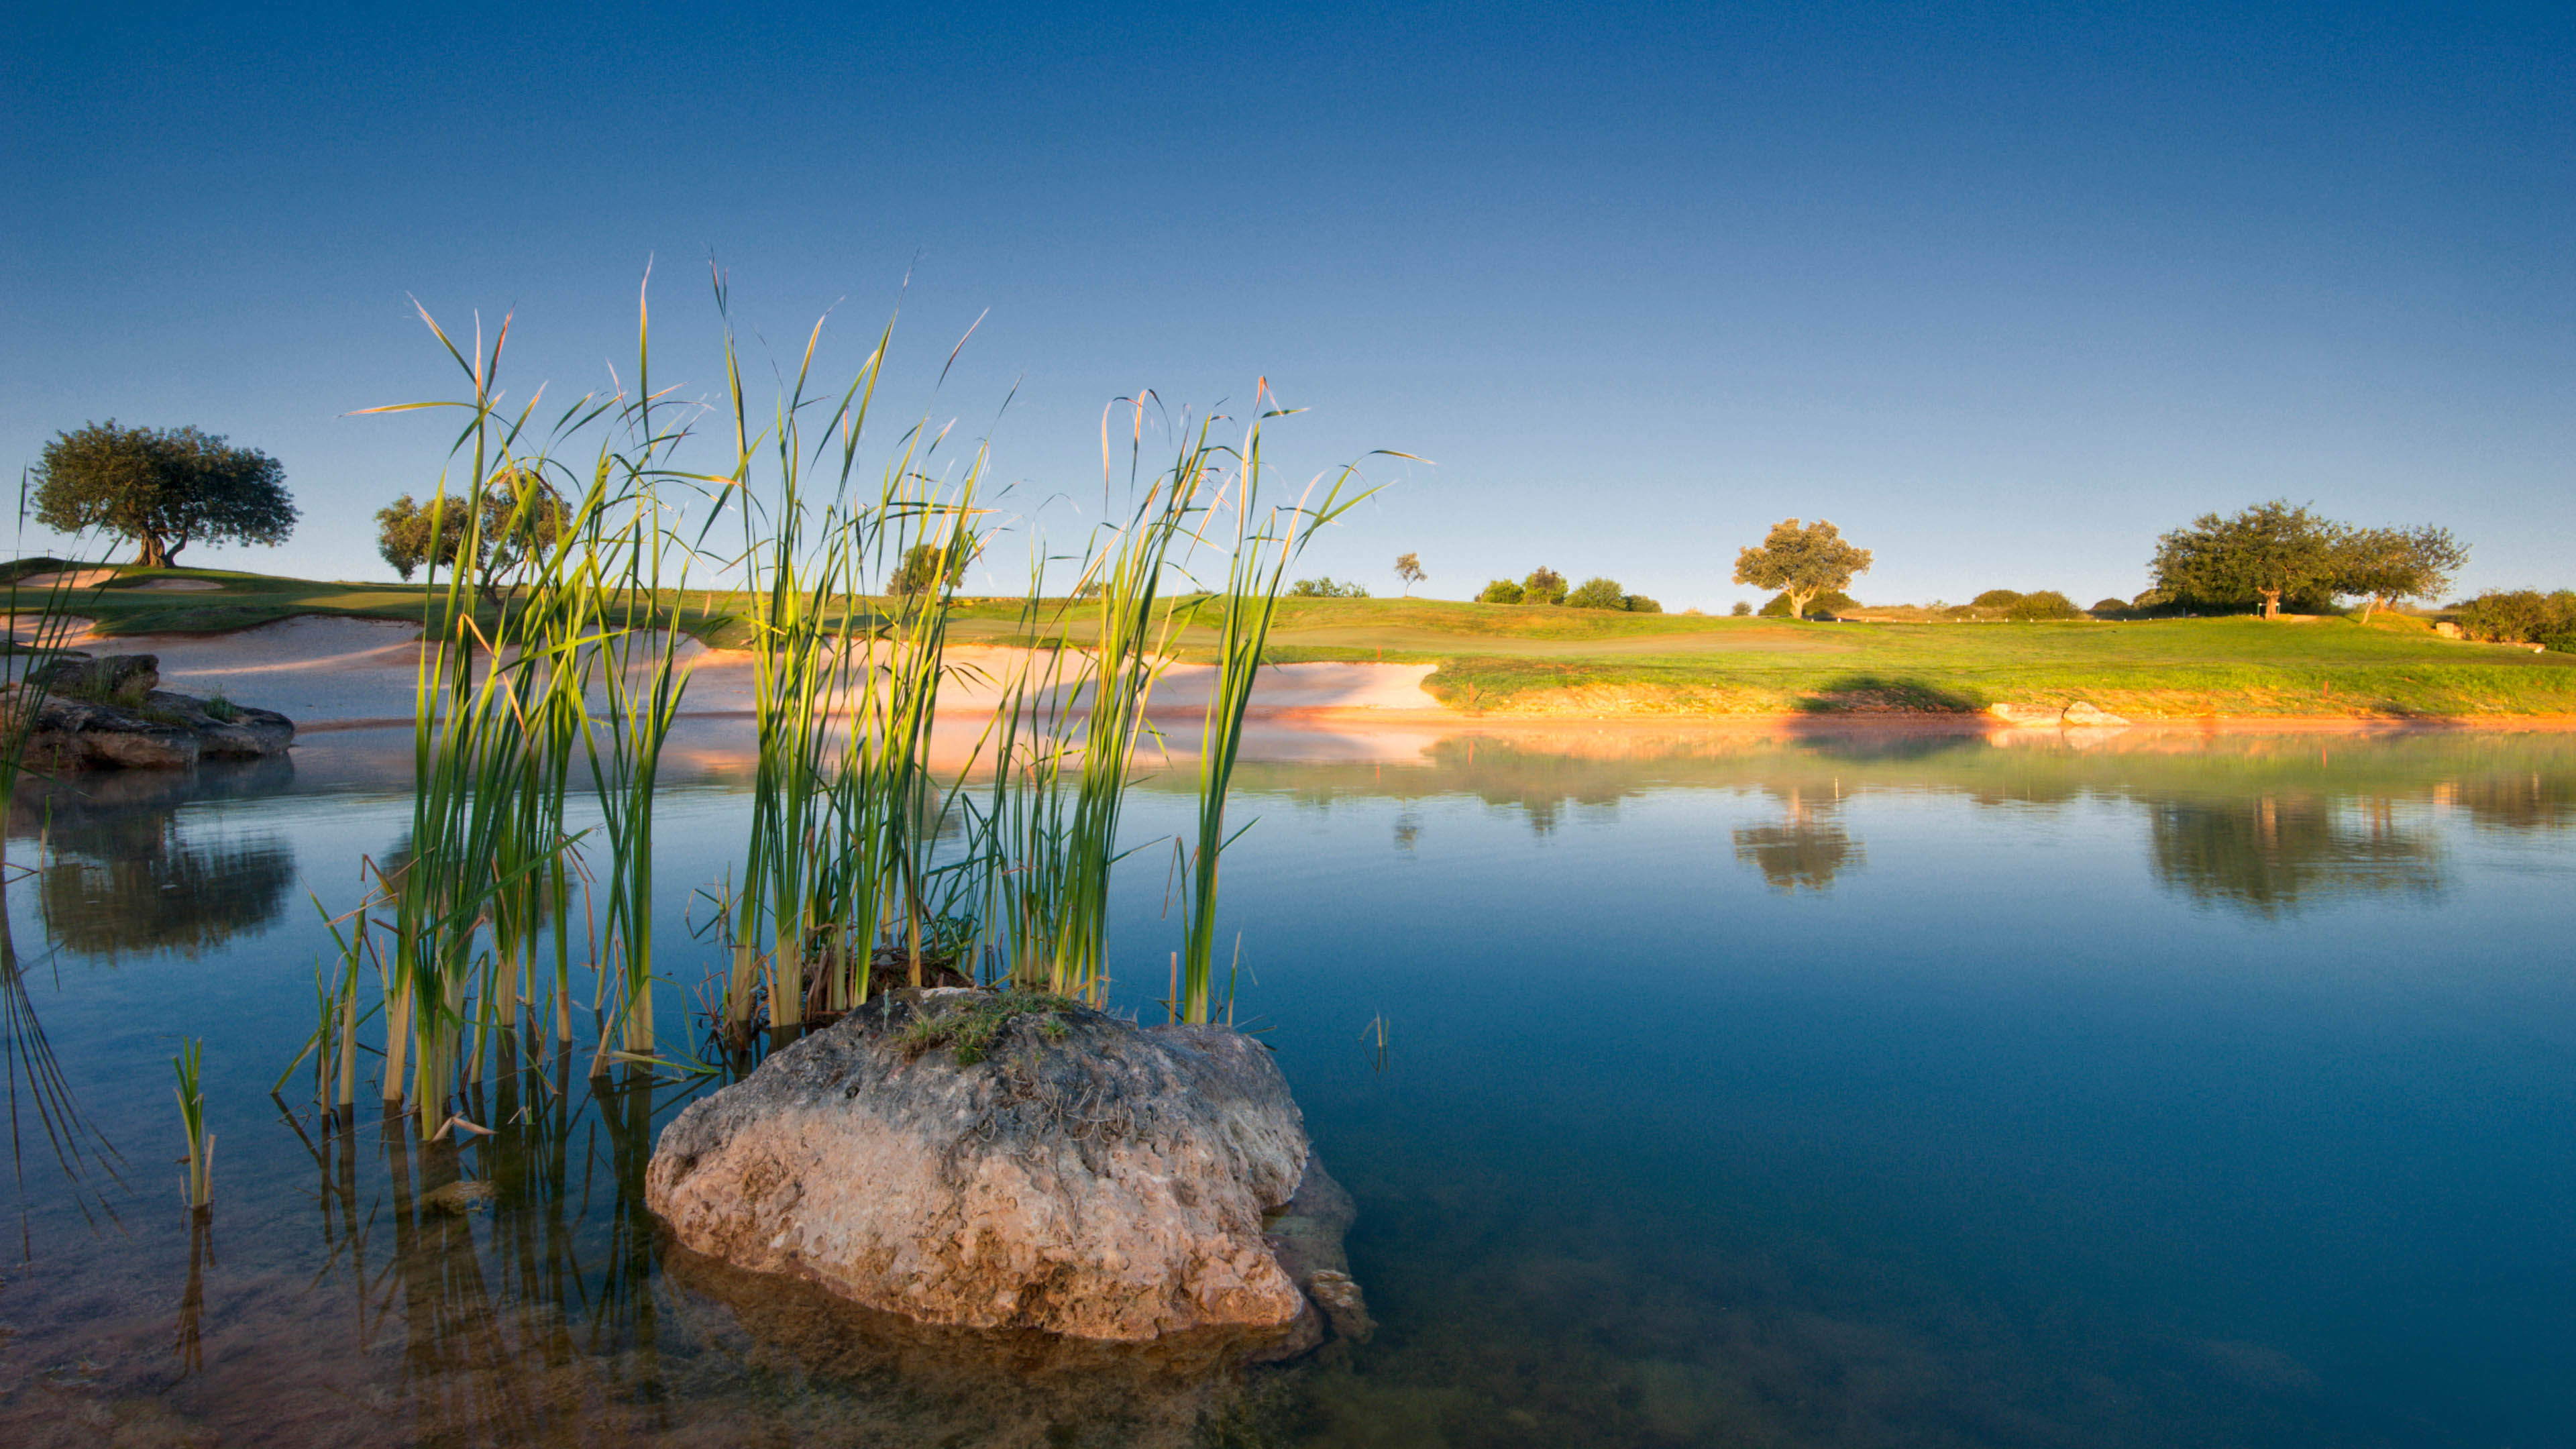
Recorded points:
(1995,599)
(1500,591)
(1543,586)
(222,709)
(1744,609)
(1597,593)
(2044,605)
(2110,606)
(1640,604)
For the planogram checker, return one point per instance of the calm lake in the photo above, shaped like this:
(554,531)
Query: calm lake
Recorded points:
(1866,1088)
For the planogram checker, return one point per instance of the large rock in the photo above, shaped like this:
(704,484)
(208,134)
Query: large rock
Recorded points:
(107,714)
(1086,1176)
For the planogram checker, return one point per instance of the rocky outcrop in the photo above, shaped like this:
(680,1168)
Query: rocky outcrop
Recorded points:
(110,713)
(1076,1174)
(2082,714)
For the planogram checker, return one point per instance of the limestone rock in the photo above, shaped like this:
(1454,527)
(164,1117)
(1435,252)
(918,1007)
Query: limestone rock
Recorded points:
(1085,1176)
(2091,716)
(1306,1236)
(2024,714)
(160,731)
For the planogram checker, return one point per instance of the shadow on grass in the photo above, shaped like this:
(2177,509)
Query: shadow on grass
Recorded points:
(1866,694)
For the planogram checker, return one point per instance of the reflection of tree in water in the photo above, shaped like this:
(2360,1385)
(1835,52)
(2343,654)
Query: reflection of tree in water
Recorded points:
(2269,853)
(2518,801)
(1806,850)
(119,875)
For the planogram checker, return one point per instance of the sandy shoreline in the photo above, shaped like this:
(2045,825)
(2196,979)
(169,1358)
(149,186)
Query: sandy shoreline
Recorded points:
(337,674)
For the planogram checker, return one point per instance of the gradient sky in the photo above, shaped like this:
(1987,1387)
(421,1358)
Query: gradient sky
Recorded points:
(2004,291)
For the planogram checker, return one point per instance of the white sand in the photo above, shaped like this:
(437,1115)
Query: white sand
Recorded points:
(83,579)
(318,671)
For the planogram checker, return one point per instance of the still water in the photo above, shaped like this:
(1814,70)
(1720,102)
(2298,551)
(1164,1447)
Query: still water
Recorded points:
(1737,1088)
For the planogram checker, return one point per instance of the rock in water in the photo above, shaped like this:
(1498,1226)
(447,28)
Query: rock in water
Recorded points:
(111,713)
(1077,1174)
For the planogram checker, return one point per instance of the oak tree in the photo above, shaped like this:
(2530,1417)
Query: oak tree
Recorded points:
(2383,565)
(165,488)
(2259,554)
(1801,562)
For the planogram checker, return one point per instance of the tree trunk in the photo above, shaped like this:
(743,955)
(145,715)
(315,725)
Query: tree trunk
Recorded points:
(154,554)
(2271,602)
(1798,604)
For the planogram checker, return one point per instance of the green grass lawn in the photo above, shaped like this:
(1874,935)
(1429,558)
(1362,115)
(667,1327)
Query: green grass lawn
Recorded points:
(1538,660)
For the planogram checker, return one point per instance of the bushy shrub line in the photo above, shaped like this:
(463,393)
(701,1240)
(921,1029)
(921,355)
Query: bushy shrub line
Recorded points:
(2521,616)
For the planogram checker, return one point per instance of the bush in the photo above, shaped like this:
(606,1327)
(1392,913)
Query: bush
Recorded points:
(2519,616)
(1823,606)
(2045,604)
(1640,604)
(1500,591)
(2110,606)
(1995,599)
(1743,609)
(1543,586)
(1597,593)
(1325,588)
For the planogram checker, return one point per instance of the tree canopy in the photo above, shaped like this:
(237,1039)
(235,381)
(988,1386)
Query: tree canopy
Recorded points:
(1500,591)
(919,573)
(2259,554)
(1543,586)
(520,514)
(2383,565)
(2274,551)
(164,488)
(1801,562)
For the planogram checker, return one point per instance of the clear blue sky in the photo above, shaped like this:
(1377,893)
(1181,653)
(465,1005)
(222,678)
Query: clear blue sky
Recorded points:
(2004,291)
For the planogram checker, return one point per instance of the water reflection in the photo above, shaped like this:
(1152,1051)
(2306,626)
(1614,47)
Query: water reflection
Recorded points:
(2270,854)
(122,874)
(1807,849)
(1551,1270)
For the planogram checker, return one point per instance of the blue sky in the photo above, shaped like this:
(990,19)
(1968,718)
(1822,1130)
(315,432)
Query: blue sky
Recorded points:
(2004,291)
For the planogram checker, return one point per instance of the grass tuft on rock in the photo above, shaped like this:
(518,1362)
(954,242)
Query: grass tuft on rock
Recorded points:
(973,1028)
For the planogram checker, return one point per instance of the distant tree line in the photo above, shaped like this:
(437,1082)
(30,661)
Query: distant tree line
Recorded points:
(1545,586)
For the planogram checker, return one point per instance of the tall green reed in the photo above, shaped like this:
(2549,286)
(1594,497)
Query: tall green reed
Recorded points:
(1264,546)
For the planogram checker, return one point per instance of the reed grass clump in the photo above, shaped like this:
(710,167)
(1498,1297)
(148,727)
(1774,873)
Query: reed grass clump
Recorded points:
(553,658)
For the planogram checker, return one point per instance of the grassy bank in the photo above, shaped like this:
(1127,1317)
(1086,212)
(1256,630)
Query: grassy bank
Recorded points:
(1500,659)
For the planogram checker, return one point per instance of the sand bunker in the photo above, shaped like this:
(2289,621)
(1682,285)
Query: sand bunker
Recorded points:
(321,671)
(80,579)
